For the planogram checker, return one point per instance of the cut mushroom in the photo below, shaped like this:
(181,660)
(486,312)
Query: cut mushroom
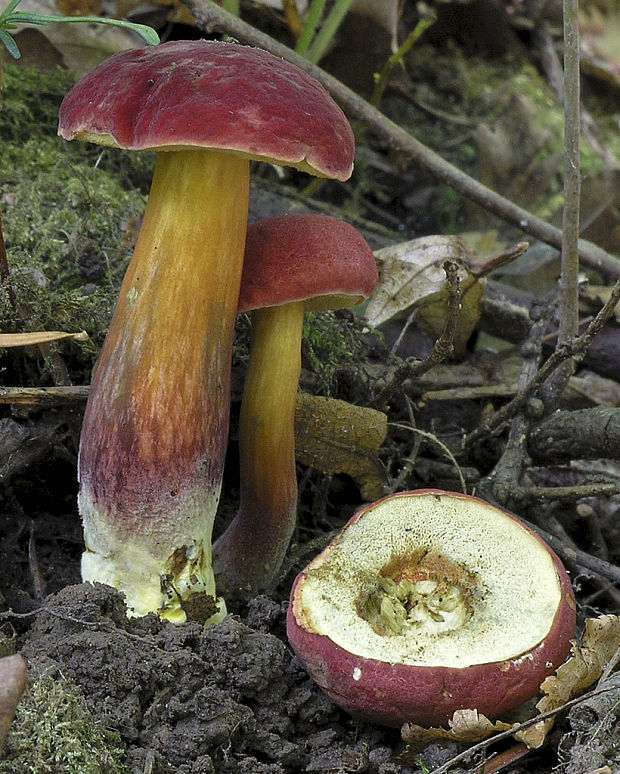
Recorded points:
(428,602)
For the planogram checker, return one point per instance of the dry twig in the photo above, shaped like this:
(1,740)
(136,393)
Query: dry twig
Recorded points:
(210,17)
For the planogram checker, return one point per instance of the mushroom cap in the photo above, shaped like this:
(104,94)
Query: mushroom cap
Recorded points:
(518,629)
(208,94)
(314,258)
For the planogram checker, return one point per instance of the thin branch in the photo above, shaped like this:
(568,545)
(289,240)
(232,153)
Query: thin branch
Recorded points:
(526,495)
(569,316)
(507,472)
(433,439)
(482,746)
(210,17)
(569,277)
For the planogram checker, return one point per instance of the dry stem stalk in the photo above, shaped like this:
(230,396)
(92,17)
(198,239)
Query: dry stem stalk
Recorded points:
(569,289)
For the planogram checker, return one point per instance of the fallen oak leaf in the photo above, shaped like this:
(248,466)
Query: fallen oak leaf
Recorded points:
(337,437)
(466,725)
(410,273)
(412,279)
(600,642)
(599,647)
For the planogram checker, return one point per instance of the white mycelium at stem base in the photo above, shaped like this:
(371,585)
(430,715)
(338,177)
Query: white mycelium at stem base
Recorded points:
(155,429)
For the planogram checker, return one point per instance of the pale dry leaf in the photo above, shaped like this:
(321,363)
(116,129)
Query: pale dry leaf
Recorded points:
(411,277)
(81,46)
(411,273)
(33,338)
(601,640)
(600,644)
(337,437)
(467,726)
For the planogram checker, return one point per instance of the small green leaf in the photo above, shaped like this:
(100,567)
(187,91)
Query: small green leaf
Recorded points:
(10,44)
(22,17)
(8,11)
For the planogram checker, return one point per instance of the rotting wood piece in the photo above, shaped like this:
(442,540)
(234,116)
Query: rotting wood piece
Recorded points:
(568,435)
(506,314)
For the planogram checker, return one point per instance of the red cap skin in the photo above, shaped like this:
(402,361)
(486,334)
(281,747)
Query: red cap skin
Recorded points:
(305,258)
(393,693)
(225,96)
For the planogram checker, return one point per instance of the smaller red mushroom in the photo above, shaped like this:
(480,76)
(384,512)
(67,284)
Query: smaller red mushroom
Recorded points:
(292,264)
(429,602)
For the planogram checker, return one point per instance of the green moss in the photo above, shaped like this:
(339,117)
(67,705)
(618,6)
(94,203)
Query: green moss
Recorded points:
(55,205)
(66,211)
(454,93)
(30,101)
(54,732)
(331,342)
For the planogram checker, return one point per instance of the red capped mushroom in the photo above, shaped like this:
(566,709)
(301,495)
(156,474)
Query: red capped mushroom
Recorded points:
(292,264)
(429,602)
(156,422)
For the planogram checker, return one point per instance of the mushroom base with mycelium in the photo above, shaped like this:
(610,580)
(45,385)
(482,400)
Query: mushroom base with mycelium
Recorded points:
(429,602)
(156,424)
(155,428)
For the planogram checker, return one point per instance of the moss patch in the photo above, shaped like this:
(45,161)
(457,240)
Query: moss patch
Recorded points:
(54,732)
(67,215)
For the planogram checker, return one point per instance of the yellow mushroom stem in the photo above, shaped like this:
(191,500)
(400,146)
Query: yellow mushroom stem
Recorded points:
(248,556)
(156,425)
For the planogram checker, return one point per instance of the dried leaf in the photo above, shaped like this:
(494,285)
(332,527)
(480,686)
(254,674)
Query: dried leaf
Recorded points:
(411,277)
(82,46)
(600,644)
(465,726)
(585,666)
(13,678)
(8,340)
(336,437)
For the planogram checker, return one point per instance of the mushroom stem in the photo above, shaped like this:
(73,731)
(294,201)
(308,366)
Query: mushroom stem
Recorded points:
(155,429)
(248,556)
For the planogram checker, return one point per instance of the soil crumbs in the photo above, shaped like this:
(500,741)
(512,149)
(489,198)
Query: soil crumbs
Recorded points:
(230,699)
